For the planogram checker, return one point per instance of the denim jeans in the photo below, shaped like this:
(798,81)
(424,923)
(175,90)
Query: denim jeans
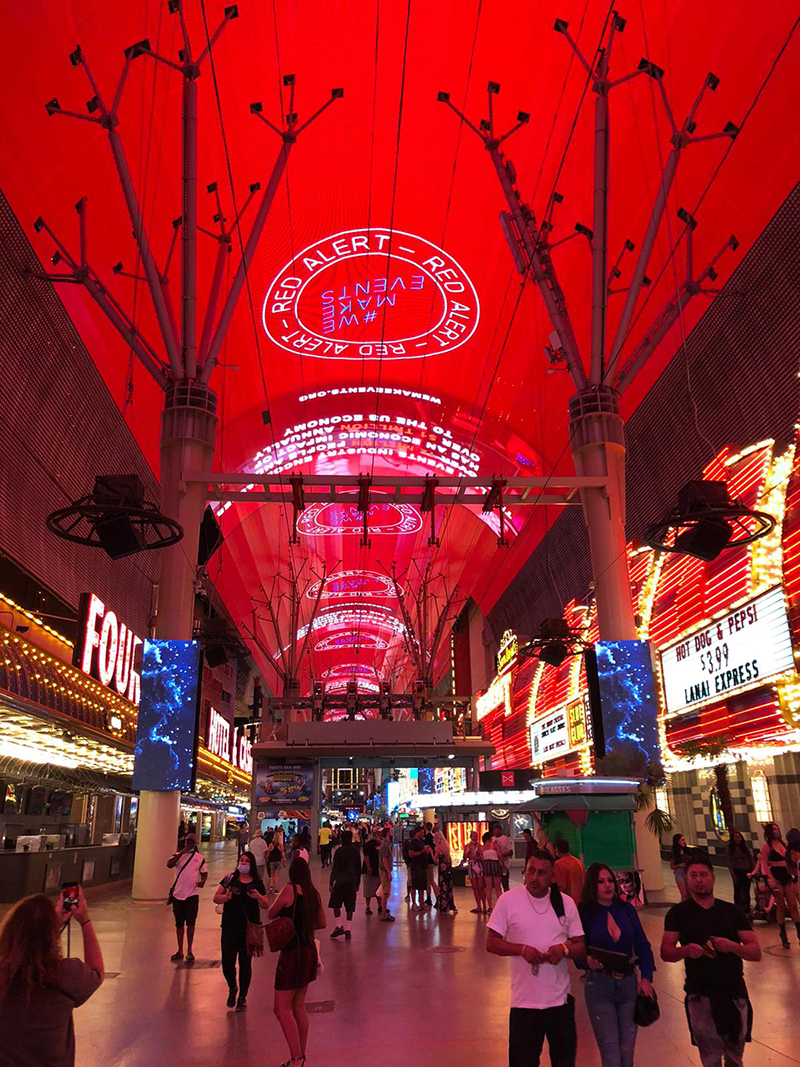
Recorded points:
(715,1049)
(610,1003)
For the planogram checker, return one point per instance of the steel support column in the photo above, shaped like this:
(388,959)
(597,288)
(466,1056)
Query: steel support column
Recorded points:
(598,448)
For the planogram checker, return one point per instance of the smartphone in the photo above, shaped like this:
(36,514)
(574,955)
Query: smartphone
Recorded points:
(70,890)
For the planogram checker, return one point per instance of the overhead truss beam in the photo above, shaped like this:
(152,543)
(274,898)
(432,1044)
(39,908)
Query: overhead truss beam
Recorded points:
(344,489)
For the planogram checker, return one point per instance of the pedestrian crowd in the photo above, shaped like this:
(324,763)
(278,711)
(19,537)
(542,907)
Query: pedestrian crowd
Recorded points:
(561,913)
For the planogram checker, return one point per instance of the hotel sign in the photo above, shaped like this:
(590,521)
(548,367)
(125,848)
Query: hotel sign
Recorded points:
(107,649)
(497,695)
(223,741)
(738,651)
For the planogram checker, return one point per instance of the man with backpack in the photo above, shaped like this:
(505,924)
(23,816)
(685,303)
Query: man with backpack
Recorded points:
(540,927)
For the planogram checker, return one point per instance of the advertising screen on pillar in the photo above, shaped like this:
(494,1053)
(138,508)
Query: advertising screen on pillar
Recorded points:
(627,723)
(107,649)
(166,732)
(740,650)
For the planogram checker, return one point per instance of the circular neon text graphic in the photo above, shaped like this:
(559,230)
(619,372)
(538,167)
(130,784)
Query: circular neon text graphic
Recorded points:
(344,584)
(350,639)
(345,519)
(371,294)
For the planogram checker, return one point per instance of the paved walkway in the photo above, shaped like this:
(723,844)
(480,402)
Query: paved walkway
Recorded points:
(421,991)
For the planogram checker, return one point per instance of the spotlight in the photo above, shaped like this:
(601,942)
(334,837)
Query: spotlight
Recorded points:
(443,98)
(211,187)
(484,124)
(337,94)
(255,187)
(580,228)
(684,216)
(553,654)
(52,106)
(256,108)
(76,56)
(174,6)
(266,417)
(712,81)
(523,116)
(731,129)
(139,49)
(231,12)
(177,222)
(561,26)
(55,259)
(117,268)
(93,104)
(288,79)
(494,87)
(651,70)
(39,224)
(619,23)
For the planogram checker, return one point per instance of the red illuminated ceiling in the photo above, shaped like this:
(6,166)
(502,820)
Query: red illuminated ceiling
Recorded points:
(453,377)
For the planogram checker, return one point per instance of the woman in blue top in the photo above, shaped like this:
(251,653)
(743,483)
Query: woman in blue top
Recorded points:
(615,942)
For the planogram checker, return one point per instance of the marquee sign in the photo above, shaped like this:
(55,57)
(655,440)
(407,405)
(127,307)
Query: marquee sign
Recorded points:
(107,649)
(371,294)
(350,639)
(742,649)
(225,742)
(561,731)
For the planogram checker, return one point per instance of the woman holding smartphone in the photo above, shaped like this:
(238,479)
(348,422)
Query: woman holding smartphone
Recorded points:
(243,894)
(615,941)
(39,989)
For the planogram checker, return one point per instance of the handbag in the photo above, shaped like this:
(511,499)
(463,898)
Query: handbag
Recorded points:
(281,931)
(170,897)
(255,938)
(646,1009)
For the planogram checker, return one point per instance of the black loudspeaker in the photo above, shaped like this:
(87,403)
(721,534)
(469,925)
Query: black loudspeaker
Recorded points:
(553,654)
(210,537)
(216,655)
(116,533)
(119,537)
(705,540)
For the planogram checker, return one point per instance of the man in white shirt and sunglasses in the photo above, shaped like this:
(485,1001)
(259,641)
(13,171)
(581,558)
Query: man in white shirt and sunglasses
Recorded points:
(541,929)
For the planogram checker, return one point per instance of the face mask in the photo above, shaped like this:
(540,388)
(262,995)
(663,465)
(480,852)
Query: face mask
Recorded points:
(244,868)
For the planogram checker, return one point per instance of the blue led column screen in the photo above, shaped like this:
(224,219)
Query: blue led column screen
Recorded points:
(627,692)
(166,732)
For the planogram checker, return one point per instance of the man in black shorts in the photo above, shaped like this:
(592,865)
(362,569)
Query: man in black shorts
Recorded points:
(712,937)
(184,897)
(345,879)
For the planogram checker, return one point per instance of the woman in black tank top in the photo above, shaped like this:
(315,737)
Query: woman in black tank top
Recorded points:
(773,863)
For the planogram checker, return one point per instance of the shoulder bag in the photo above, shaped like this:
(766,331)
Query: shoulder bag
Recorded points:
(170,897)
(281,931)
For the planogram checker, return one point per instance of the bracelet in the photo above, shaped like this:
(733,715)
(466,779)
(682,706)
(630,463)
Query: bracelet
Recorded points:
(84,924)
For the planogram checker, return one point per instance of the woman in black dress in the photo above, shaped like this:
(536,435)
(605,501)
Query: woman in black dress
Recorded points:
(243,894)
(298,962)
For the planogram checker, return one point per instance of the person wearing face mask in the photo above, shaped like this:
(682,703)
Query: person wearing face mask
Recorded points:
(614,940)
(243,894)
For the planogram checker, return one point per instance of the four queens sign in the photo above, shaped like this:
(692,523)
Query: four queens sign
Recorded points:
(371,294)
(744,648)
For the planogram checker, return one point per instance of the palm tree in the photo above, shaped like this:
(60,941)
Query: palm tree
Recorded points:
(629,762)
(709,748)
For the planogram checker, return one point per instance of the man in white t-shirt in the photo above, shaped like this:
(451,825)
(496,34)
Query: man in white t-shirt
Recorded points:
(505,851)
(541,929)
(259,847)
(191,876)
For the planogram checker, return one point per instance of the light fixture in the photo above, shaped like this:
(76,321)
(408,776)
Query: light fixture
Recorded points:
(706,521)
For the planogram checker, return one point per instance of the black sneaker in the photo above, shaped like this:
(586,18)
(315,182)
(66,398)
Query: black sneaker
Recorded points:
(368,911)
(380,910)
(428,903)
(231,1001)
(241,1004)
(347,935)
(338,931)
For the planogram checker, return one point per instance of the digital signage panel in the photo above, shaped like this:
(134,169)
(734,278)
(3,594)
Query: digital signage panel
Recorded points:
(166,733)
(627,722)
